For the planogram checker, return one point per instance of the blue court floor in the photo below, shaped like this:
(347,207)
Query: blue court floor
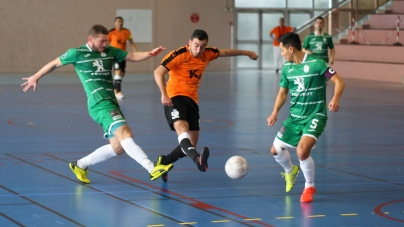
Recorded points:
(359,158)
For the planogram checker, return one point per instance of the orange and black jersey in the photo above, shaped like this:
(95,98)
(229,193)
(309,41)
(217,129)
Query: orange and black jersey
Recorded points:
(185,71)
(118,38)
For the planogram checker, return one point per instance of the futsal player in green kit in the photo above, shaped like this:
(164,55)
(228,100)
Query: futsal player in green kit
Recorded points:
(93,63)
(318,42)
(305,77)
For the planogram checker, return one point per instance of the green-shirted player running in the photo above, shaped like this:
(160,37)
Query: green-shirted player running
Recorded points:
(305,77)
(318,42)
(93,63)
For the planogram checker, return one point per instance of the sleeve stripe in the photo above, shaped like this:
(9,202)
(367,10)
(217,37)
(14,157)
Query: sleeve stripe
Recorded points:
(174,55)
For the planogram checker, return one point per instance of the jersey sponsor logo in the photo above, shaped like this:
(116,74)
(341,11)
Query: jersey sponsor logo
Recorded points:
(324,39)
(300,84)
(281,132)
(318,46)
(302,93)
(86,55)
(192,73)
(99,65)
(175,114)
(103,54)
(306,68)
(290,70)
(115,115)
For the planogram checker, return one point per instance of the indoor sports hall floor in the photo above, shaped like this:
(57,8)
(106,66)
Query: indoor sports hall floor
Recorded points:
(359,158)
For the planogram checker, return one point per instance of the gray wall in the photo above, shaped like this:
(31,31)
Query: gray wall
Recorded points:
(33,32)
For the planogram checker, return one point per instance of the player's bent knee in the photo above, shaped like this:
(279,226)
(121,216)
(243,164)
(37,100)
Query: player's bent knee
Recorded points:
(277,147)
(302,155)
(117,147)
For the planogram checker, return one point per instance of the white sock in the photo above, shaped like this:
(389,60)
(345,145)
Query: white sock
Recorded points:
(283,158)
(117,77)
(101,154)
(135,152)
(307,167)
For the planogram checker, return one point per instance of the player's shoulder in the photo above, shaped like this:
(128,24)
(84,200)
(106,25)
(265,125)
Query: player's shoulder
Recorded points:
(312,58)
(327,35)
(112,30)
(175,54)
(212,50)
(180,51)
(82,48)
(311,35)
(316,61)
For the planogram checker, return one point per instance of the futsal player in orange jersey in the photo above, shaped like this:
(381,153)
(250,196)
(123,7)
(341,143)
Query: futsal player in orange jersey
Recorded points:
(117,37)
(185,67)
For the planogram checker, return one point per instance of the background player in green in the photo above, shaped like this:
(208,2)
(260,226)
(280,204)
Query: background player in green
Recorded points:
(318,42)
(93,63)
(305,76)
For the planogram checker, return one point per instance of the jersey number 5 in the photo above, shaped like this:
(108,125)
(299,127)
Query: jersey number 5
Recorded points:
(314,124)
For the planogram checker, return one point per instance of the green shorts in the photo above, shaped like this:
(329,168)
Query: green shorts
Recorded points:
(107,114)
(291,132)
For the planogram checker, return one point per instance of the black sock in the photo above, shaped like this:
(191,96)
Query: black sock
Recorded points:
(117,85)
(174,156)
(188,148)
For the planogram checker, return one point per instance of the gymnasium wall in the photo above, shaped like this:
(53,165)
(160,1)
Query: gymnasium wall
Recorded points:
(34,32)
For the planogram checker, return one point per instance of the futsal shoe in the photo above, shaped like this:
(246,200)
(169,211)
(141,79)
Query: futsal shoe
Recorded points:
(291,178)
(202,160)
(159,170)
(81,174)
(164,176)
(307,195)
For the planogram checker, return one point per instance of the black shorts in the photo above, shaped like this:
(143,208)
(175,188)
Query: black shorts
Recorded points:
(120,65)
(184,108)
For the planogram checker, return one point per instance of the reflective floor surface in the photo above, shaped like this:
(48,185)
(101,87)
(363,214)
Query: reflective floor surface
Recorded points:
(359,158)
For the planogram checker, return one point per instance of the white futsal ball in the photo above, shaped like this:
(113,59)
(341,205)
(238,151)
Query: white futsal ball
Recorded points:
(236,167)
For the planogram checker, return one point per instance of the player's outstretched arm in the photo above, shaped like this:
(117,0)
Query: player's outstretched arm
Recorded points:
(339,88)
(32,81)
(140,56)
(232,52)
(280,100)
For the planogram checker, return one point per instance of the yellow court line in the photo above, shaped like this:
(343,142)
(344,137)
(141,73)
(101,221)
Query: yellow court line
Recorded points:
(284,217)
(252,219)
(353,214)
(386,212)
(220,221)
(317,216)
(187,223)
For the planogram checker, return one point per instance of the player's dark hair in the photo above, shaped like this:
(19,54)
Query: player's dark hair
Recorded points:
(319,18)
(98,29)
(291,39)
(199,34)
(116,18)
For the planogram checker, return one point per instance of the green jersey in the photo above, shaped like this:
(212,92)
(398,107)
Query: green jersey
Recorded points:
(307,87)
(319,44)
(94,70)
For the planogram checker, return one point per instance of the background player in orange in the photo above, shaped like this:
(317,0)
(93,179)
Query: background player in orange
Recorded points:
(117,37)
(179,96)
(275,33)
